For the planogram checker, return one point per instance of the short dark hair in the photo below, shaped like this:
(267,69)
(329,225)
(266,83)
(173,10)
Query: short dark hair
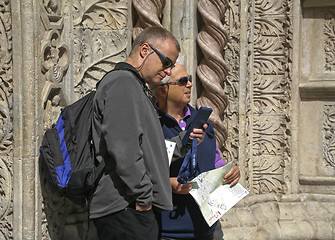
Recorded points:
(153,33)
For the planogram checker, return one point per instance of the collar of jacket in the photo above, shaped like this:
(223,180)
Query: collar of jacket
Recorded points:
(128,67)
(164,116)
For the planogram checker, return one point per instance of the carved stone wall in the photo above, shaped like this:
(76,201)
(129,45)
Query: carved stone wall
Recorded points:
(286,125)
(82,41)
(266,67)
(6,122)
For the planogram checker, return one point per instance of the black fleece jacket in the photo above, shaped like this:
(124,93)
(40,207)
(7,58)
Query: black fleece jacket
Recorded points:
(127,134)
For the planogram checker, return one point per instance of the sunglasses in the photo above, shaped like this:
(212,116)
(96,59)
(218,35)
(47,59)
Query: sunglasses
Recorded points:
(167,62)
(181,81)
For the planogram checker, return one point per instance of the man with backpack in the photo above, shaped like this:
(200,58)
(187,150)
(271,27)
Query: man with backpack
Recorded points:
(127,135)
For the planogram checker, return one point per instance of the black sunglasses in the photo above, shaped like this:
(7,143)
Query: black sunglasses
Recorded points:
(167,62)
(181,81)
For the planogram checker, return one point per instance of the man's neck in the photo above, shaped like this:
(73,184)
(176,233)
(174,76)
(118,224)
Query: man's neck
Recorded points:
(177,112)
(132,62)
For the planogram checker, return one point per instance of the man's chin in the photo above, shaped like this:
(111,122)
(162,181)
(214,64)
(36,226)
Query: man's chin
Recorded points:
(152,81)
(158,81)
(188,100)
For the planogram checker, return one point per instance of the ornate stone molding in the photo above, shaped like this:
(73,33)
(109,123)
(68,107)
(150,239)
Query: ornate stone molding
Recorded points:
(212,70)
(5,6)
(329,38)
(100,14)
(55,60)
(54,66)
(270,82)
(329,135)
(149,14)
(6,122)
(100,40)
(97,53)
(27,118)
(232,84)
(55,57)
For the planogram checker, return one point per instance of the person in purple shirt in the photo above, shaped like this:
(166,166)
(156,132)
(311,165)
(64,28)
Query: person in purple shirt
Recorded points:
(185,221)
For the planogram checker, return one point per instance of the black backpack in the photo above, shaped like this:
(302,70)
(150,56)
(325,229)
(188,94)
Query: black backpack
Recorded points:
(67,152)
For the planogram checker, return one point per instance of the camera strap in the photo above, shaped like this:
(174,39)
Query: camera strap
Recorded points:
(188,168)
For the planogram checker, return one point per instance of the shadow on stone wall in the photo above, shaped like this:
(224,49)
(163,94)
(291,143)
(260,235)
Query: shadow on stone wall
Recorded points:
(62,219)
(218,234)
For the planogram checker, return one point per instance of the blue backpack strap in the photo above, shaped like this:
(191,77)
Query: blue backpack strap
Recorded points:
(188,168)
(63,171)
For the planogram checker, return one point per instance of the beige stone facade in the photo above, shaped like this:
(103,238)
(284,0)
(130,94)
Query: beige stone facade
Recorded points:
(266,67)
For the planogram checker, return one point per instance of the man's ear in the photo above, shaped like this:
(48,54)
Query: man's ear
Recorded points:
(144,50)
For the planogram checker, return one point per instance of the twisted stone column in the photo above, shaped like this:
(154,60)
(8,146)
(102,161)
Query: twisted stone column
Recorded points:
(213,70)
(149,12)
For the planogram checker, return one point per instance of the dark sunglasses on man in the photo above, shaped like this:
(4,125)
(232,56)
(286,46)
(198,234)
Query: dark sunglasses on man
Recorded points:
(167,62)
(181,81)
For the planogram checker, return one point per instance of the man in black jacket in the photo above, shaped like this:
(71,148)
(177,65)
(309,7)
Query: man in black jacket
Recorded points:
(128,136)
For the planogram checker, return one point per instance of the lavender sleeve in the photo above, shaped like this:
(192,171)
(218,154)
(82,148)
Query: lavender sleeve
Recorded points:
(219,162)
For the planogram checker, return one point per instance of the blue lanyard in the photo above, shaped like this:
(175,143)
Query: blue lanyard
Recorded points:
(188,168)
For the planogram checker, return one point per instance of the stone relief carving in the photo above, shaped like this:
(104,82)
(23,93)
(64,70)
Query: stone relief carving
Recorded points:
(51,14)
(270,76)
(6,122)
(100,14)
(149,14)
(96,53)
(231,87)
(55,57)
(5,40)
(212,70)
(268,175)
(52,7)
(328,145)
(6,201)
(268,164)
(54,66)
(5,6)
(329,33)
(55,60)
(6,134)
(100,40)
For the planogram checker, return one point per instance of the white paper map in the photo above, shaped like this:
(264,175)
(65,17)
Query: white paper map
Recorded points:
(213,198)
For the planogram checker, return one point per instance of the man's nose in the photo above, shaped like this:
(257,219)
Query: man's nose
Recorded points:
(168,71)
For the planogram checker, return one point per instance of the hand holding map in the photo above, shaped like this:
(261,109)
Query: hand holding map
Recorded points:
(213,198)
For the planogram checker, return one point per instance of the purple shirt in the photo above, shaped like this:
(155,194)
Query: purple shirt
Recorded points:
(219,162)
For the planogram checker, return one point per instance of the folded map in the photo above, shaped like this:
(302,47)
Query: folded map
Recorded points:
(214,198)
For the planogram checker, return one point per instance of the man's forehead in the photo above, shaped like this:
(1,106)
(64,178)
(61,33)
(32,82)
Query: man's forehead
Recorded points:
(178,71)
